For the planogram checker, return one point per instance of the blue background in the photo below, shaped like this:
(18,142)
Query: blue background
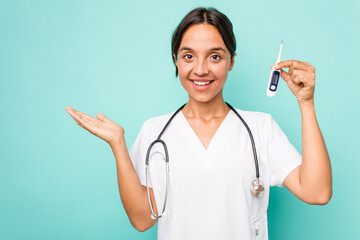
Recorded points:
(57,181)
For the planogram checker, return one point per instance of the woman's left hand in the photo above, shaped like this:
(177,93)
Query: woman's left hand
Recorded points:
(300,79)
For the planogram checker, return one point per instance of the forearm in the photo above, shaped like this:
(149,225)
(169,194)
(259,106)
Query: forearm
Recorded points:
(315,172)
(132,192)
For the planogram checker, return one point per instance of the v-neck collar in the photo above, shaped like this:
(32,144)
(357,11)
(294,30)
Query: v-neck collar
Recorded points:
(214,137)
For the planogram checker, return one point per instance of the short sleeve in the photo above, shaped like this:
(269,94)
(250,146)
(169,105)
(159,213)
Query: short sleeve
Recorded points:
(283,156)
(138,153)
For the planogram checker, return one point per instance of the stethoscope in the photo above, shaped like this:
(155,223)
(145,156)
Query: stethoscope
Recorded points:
(256,186)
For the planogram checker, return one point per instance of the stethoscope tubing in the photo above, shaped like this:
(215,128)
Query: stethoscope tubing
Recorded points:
(147,173)
(251,138)
(256,185)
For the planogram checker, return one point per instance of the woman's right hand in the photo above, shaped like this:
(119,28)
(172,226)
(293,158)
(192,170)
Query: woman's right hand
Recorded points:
(103,127)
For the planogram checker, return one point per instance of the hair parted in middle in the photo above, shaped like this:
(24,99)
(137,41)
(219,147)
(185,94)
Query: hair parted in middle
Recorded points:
(205,16)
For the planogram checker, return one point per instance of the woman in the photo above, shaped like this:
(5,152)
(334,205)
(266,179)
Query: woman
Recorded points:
(211,161)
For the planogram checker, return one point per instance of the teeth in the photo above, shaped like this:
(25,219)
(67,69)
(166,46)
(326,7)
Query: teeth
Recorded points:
(201,83)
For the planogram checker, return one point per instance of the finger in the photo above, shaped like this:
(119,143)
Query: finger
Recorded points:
(297,79)
(291,70)
(298,72)
(78,122)
(307,78)
(69,110)
(285,75)
(82,118)
(293,64)
(71,113)
(102,117)
(311,68)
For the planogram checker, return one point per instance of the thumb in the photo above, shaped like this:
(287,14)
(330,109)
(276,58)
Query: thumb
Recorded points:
(102,117)
(285,75)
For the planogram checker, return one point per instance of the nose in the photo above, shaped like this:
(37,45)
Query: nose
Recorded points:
(201,67)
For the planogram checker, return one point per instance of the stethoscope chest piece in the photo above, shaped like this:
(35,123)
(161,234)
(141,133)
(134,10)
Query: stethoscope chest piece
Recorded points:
(257,188)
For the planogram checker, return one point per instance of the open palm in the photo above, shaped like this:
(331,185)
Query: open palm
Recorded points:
(102,127)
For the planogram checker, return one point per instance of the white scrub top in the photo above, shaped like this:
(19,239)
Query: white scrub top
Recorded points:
(209,189)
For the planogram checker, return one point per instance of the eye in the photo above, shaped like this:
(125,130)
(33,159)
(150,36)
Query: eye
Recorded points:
(215,57)
(187,56)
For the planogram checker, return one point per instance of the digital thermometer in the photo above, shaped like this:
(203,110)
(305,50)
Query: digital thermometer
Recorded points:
(274,77)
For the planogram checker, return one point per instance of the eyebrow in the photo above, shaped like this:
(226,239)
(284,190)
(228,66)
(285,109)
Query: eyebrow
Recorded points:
(212,49)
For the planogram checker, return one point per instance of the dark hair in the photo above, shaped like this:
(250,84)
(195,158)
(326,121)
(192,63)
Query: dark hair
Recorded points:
(208,16)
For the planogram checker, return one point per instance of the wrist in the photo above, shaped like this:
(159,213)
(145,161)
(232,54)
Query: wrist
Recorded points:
(118,143)
(306,104)
(307,108)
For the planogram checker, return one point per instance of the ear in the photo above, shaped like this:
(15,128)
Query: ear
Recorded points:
(232,62)
(175,59)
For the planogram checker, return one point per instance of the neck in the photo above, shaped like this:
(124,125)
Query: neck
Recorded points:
(216,107)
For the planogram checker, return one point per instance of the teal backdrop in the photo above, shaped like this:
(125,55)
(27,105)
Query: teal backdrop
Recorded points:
(58,181)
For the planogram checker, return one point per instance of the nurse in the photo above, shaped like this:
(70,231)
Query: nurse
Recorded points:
(211,162)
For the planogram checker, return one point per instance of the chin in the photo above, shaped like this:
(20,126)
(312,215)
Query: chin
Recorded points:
(203,99)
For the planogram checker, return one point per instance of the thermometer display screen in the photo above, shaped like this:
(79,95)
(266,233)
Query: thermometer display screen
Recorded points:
(275,78)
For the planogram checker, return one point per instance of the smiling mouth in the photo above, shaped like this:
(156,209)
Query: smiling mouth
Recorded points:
(202,83)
